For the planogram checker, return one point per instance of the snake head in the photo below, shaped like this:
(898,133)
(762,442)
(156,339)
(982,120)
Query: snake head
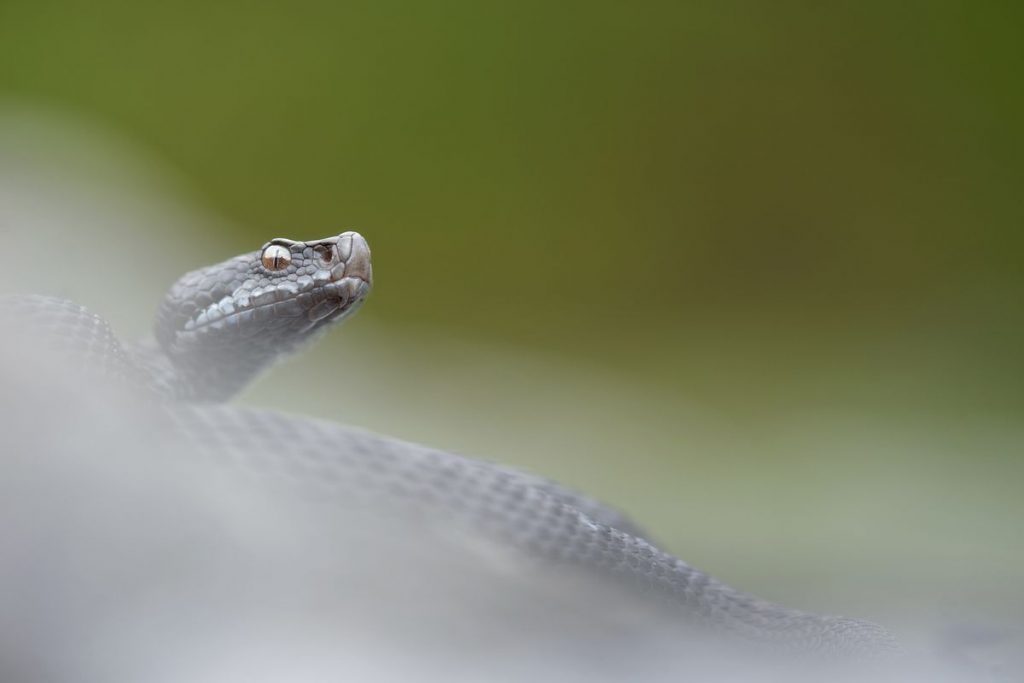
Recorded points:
(222,324)
(309,284)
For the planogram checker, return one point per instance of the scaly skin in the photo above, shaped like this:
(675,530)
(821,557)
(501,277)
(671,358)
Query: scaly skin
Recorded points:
(220,326)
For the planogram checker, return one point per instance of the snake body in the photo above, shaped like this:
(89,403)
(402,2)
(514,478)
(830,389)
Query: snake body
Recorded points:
(220,326)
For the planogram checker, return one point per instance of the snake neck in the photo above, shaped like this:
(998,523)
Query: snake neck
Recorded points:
(206,378)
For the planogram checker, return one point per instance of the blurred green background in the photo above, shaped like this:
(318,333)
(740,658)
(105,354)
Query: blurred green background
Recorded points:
(751,270)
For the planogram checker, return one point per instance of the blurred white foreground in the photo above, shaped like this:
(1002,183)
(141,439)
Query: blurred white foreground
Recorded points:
(125,560)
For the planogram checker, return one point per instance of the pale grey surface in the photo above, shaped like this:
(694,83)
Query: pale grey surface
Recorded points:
(927,513)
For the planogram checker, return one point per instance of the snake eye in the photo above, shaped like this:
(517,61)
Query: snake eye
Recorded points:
(276,257)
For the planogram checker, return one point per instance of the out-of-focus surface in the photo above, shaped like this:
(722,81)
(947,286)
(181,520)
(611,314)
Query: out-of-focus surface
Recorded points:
(752,274)
(168,541)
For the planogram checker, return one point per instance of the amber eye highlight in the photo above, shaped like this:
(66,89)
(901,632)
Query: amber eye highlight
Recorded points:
(276,257)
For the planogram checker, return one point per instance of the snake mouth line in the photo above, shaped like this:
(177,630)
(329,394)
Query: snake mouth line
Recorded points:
(281,305)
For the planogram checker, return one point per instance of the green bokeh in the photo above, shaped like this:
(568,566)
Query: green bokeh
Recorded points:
(589,175)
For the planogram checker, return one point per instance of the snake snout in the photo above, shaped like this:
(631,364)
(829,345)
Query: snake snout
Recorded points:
(355,252)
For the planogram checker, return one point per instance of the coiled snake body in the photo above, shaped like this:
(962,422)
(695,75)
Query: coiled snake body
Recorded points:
(221,325)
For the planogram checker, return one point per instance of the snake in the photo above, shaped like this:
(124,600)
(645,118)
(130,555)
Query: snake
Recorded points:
(222,325)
